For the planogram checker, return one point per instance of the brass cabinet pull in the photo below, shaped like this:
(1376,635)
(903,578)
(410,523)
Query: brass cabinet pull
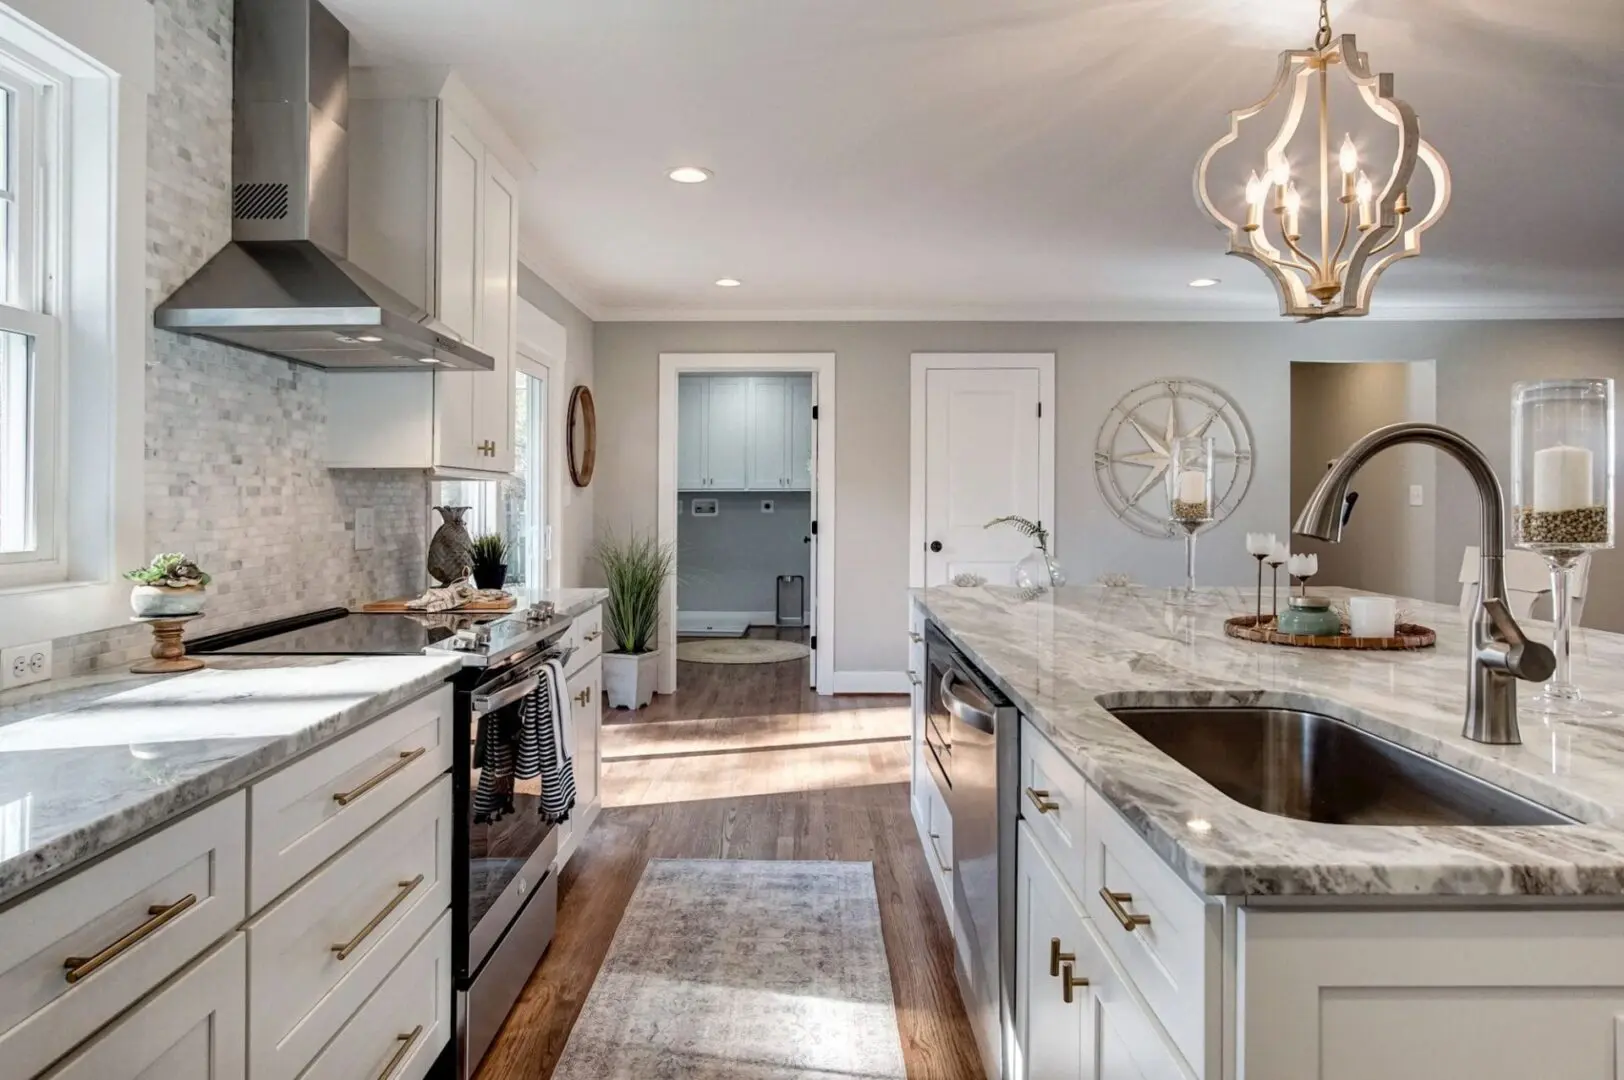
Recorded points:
(1040,799)
(915,637)
(80,966)
(1130,921)
(1068,983)
(584,697)
(1056,957)
(946,869)
(344,798)
(594,636)
(344,950)
(406,1042)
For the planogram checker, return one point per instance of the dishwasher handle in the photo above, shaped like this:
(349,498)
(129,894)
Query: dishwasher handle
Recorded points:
(978,714)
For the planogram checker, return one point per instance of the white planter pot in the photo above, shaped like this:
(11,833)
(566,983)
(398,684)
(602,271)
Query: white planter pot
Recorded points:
(628,679)
(159,601)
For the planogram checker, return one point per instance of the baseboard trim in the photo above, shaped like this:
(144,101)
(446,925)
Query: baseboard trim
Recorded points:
(872,682)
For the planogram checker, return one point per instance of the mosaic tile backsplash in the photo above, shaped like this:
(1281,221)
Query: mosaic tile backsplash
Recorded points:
(234,440)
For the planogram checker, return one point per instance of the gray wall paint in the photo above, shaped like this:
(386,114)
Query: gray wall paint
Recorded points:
(1477,362)
(575,532)
(731,562)
(1331,406)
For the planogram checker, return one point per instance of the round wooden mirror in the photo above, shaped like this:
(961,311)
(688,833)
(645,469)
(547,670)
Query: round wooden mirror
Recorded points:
(581,440)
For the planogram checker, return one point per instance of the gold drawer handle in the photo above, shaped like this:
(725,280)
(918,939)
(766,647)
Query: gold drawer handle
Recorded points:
(354,943)
(584,698)
(1040,799)
(1056,958)
(406,1042)
(80,966)
(594,636)
(344,798)
(946,869)
(1130,921)
(1068,983)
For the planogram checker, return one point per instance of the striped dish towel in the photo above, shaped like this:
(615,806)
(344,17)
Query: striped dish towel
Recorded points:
(544,744)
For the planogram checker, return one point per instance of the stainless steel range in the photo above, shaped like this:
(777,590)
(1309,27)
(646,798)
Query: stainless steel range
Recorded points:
(505,896)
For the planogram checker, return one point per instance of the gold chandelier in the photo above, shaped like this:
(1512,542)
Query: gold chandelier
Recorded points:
(1378,225)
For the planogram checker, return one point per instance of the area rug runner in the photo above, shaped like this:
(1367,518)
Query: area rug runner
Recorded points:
(726,969)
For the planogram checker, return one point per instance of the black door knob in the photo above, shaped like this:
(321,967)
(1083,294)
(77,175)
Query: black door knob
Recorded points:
(936,545)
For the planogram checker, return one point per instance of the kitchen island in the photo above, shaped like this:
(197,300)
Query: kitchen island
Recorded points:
(1218,939)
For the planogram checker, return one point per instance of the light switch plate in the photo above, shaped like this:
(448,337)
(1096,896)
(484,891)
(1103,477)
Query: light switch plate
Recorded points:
(1417,495)
(366,528)
(24,664)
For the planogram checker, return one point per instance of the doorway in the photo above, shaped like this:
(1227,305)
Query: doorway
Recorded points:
(746,468)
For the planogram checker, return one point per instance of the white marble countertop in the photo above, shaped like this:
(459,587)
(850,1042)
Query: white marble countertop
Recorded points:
(1059,655)
(87,764)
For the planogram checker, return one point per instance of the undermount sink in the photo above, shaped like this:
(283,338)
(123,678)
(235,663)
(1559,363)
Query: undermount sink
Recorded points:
(1315,768)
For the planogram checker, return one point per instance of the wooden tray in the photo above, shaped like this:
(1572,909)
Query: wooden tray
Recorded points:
(1247,628)
(384,607)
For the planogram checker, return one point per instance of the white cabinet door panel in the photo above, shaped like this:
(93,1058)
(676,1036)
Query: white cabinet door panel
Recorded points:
(458,241)
(1048,1029)
(727,431)
(588,721)
(692,392)
(800,433)
(498,311)
(769,439)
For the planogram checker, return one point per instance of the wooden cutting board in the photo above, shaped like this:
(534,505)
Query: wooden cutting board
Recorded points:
(383,607)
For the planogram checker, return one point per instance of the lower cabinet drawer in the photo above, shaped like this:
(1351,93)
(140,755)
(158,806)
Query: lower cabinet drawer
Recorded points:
(191,1029)
(402,1027)
(315,955)
(1166,937)
(585,636)
(82,949)
(1053,798)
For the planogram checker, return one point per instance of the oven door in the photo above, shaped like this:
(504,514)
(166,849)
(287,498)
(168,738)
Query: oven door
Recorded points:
(510,846)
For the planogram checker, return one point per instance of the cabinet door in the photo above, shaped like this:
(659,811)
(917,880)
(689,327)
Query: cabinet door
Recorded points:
(498,308)
(692,390)
(799,473)
(192,1029)
(769,442)
(1120,1040)
(587,714)
(727,432)
(459,243)
(1048,1030)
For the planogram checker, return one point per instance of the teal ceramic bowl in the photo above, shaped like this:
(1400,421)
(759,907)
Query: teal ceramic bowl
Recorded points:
(1309,616)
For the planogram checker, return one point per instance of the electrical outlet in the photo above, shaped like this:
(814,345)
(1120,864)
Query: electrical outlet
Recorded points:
(24,664)
(1417,495)
(366,528)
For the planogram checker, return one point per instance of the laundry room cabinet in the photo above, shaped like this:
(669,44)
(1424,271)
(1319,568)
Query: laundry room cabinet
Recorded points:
(744,433)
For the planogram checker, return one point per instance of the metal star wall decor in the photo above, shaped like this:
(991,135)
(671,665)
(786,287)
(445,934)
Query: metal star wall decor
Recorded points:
(1133,451)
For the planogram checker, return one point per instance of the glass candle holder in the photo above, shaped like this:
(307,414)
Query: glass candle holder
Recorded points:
(1190,499)
(1562,447)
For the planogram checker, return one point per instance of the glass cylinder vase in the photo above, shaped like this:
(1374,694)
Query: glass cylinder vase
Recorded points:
(1190,499)
(1562,447)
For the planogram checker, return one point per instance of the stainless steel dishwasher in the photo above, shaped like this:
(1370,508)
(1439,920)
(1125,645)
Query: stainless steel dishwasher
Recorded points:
(983,773)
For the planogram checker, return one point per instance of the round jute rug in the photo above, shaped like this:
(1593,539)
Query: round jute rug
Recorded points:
(741,651)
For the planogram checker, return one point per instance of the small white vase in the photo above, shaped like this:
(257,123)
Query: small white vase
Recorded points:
(161,601)
(629,678)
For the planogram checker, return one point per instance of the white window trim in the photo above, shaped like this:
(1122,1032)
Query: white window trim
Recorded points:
(103,51)
(544,342)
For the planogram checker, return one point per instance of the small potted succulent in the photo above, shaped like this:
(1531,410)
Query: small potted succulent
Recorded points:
(171,585)
(489,553)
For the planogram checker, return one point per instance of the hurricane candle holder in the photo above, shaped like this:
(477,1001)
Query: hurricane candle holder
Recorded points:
(1562,448)
(1259,545)
(1189,499)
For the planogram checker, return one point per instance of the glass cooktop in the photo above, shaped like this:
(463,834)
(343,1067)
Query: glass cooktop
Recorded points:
(341,633)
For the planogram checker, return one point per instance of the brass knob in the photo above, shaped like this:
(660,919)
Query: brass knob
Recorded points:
(1068,983)
(1056,958)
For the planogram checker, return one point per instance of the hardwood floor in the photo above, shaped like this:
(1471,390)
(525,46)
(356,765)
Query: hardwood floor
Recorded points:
(866,823)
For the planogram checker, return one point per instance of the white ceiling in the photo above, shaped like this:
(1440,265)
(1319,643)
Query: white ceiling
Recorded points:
(1025,159)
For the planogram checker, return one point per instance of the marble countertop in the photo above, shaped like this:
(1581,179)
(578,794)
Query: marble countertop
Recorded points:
(1059,656)
(87,764)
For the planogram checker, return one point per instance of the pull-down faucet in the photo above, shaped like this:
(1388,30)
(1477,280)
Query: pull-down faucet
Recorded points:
(1499,654)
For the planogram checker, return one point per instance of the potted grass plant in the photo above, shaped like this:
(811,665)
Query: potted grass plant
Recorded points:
(636,570)
(489,554)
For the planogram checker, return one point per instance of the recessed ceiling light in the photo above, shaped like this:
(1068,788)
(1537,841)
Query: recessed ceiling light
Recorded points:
(689,174)
(728,282)
(370,339)
(1203,283)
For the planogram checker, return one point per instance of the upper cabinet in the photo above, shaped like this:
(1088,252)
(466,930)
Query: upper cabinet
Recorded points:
(434,215)
(744,433)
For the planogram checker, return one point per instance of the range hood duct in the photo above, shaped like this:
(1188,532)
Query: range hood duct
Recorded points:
(283,286)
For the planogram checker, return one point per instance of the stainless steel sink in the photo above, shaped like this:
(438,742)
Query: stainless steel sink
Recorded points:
(1315,768)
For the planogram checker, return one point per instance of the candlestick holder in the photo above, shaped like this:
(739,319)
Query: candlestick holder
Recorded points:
(1259,545)
(1276,559)
(1190,502)
(1562,448)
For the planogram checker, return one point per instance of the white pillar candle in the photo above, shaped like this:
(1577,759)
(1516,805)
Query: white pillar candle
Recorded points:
(1372,616)
(1192,486)
(1562,478)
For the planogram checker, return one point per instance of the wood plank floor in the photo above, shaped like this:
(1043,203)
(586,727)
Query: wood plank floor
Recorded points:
(867,823)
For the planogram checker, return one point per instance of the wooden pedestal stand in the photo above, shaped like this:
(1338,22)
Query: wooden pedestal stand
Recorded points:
(168,651)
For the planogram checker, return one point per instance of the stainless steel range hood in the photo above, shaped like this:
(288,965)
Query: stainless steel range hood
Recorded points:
(283,285)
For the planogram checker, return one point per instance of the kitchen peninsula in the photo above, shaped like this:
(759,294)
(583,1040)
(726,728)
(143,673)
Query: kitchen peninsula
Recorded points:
(1161,928)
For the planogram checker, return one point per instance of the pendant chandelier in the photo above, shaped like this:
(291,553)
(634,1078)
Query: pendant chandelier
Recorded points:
(1365,212)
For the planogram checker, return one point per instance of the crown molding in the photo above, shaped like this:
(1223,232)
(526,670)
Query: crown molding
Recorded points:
(531,258)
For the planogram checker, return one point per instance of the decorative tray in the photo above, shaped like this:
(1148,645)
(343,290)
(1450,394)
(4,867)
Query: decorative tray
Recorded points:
(1247,628)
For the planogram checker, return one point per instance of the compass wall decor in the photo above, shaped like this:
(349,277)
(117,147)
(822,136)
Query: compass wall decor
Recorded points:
(1132,453)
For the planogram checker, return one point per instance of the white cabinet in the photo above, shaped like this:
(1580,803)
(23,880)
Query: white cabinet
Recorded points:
(693,400)
(584,686)
(744,433)
(434,215)
(769,444)
(727,432)
(798,476)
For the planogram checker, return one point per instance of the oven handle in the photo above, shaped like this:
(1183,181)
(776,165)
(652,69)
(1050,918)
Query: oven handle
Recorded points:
(509,692)
(981,719)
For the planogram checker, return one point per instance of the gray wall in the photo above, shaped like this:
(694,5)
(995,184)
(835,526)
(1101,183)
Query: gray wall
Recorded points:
(731,562)
(1476,364)
(1331,406)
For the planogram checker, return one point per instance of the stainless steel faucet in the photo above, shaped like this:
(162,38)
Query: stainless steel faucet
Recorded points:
(1500,654)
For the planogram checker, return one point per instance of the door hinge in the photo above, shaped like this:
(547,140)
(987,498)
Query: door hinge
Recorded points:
(814,412)
(814,528)
(814,645)
(1040,410)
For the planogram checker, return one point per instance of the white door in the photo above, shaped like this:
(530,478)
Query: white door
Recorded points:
(800,433)
(691,393)
(769,438)
(498,311)
(982,461)
(727,433)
